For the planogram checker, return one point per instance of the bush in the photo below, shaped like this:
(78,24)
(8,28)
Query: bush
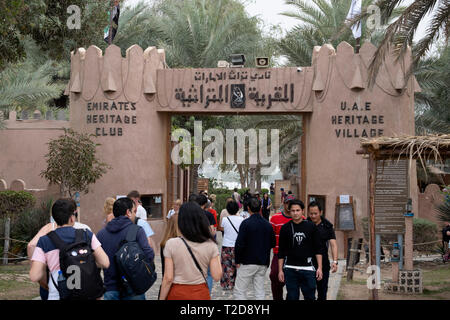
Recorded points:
(14,202)
(27,224)
(424,231)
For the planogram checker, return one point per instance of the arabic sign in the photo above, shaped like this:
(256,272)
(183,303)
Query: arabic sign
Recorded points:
(229,89)
(391,196)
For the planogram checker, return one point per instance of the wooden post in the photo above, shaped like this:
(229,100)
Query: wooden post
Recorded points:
(395,271)
(408,243)
(352,262)
(7,235)
(372,179)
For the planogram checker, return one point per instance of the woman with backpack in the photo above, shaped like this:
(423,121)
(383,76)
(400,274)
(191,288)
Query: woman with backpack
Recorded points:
(230,226)
(187,258)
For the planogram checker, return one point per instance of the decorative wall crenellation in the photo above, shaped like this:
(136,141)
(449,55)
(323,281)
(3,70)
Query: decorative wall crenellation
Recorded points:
(144,73)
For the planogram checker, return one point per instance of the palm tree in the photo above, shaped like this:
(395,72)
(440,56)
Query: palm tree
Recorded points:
(199,33)
(433,103)
(137,26)
(400,33)
(29,84)
(320,22)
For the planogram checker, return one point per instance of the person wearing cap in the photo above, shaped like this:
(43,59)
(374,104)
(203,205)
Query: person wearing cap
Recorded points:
(277,221)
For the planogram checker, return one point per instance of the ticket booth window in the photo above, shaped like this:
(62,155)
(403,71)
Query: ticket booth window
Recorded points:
(152,203)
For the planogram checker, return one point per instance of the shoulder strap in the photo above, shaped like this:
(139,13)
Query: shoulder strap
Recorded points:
(53,280)
(59,244)
(232,225)
(132,233)
(81,235)
(193,257)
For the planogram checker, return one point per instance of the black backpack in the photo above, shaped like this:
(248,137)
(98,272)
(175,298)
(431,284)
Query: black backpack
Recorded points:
(78,254)
(134,268)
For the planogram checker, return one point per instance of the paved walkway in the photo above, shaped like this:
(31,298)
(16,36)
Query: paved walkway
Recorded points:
(219,294)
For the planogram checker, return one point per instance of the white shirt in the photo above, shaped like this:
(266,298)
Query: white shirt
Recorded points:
(141,213)
(171,213)
(244,214)
(229,234)
(79,225)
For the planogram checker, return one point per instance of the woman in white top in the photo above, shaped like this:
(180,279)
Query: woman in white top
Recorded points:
(230,225)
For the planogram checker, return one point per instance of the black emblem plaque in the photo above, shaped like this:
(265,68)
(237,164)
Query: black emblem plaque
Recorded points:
(237,96)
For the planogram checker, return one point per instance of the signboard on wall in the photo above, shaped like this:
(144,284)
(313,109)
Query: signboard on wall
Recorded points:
(345,214)
(391,196)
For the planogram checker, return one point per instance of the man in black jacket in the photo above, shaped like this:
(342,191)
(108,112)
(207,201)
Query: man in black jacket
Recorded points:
(327,236)
(299,243)
(252,252)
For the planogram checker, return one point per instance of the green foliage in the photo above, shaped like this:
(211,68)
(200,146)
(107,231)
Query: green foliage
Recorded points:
(319,22)
(136,22)
(14,202)
(424,231)
(433,103)
(72,162)
(444,207)
(47,24)
(27,224)
(11,48)
(198,33)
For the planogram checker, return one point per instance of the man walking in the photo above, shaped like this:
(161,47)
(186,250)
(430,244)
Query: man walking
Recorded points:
(299,243)
(277,221)
(47,254)
(112,236)
(252,252)
(141,213)
(327,237)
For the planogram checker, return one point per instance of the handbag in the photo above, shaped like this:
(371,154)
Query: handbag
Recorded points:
(195,260)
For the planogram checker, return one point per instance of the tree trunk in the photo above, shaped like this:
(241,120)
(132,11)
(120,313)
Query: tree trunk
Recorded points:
(252,179)
(195,178)
(241,175)
(258,177)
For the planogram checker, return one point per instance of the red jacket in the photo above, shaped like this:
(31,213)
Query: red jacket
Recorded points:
(277,221)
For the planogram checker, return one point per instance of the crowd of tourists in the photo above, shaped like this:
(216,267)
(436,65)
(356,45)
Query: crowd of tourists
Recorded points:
(67,258)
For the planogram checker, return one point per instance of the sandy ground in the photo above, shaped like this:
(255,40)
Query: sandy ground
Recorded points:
(436,283)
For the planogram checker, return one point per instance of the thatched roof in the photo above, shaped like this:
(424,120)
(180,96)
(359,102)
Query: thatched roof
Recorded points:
(423,148)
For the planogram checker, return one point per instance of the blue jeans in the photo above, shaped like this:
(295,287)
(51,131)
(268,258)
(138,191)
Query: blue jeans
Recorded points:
(300,279)
(115,295)
(209,281)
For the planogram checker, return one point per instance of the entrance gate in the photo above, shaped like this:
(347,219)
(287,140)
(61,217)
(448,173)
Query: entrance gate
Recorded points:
(127,102)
